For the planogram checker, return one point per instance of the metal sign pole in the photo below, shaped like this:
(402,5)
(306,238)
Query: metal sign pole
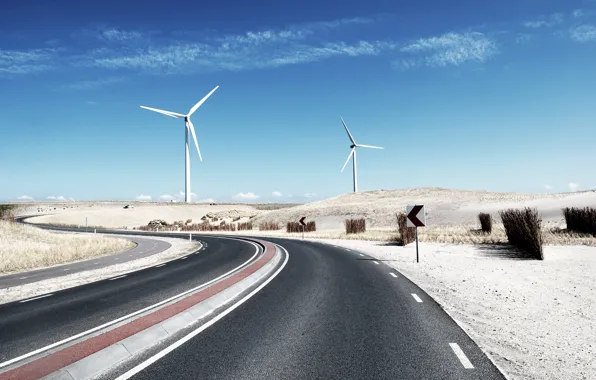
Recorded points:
(417,259)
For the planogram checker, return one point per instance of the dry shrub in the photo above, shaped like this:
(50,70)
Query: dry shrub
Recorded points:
(405,234)
(7,212)
(269,226)
(236,219)
(245,226)
(486,222)
(522,228)
(297,227)
(580,220)
(355,226)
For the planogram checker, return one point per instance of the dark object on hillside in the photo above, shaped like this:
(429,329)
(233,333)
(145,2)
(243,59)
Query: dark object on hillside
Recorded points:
(581,220)
(405,234)
(355,226)
(522,228)
(292,227)
(486,222)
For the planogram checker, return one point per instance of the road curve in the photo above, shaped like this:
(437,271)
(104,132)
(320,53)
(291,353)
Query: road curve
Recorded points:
(144,247)
(330,314)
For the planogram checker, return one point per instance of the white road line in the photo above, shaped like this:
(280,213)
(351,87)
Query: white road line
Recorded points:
(188,337)
(115,278)
(393,274)
(66,269)
(461,356)
(361,254)
(95,263)
(36,298)
(184,258)
(416,297)
(160,265)
(22,278)
(376,262)
(77,336)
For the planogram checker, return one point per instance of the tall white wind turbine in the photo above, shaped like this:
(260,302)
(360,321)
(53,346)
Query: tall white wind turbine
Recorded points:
(191,128)
(353,153)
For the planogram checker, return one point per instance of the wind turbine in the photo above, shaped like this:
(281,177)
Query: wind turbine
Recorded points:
(353,153)
(191,128)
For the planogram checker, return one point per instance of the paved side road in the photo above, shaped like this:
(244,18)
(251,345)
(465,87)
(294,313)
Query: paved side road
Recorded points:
(331,313)
(145,247)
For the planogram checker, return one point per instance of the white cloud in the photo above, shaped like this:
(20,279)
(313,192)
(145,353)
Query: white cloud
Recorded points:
(144,198)
(92,84)
(25,62)
(573,186)
(584,33)
(276,194)
(523,38)
(246,196)
(310,195)
(578,13)
(548,187)
(25,198)
(450,49)
(545,22)
(58,198)
(166,198)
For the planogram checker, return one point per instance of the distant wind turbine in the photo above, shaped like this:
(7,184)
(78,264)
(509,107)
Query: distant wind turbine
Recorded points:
(353,153)
(191,128)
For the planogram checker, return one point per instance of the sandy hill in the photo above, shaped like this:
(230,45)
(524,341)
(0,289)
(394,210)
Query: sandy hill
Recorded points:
(443,206)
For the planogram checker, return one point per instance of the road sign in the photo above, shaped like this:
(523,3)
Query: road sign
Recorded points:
(415,216)
(302,221)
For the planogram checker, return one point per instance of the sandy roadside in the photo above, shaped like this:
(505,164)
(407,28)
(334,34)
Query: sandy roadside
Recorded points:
(537,319)
(180,247)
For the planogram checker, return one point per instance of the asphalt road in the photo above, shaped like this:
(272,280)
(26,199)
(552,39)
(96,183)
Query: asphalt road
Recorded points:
(145,247)
(330,314)
(27,326)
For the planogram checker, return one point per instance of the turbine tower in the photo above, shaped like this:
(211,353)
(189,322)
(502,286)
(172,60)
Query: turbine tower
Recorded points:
(353,153)
(188,127)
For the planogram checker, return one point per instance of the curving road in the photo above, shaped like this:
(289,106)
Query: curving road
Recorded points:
(144,247)
(331,313)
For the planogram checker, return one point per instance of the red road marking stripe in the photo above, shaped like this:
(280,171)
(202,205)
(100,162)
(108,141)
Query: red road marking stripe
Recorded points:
(53,362)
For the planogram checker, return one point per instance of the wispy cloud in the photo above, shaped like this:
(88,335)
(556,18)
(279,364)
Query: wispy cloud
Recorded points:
(246,196)
(548,187)
(277,194)
(25,62)
(25,198)
(573,186)
(583,33)
(166,198)
(545,21)
(310,195)
(143,198)
(56,198)
(451,49)
(92,84)
(577,13)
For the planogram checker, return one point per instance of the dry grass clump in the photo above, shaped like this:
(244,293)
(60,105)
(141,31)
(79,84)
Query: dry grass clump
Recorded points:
(244,226)
(405,234)
(486,223)
(522,228)
(580,220)
(25,247)
(269,226)
(292,227)
(7,212)
(355,226)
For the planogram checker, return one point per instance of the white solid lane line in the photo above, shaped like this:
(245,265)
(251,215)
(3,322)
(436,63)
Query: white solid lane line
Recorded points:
(160,265)
(36,298)
(184,258)
(56,344)
(115,278)
(161,354)
(376,262)
(416,297)
(22,278)
(66,269)
(393,274)
(361,254)
(461,356)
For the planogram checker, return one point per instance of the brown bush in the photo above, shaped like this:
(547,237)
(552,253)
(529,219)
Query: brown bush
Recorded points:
(297,227)
(522,228)
(581,220)
(405,234)
(355,226)
(269,226)
(486,222)
(245,226)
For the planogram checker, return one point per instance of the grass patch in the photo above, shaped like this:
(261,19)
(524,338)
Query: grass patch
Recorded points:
(580,220)
(355,226)
(293,227)
(269,226)
(405,234)
(523,231)
(486,223)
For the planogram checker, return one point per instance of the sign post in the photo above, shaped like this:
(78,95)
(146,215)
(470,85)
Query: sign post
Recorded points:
(303,225)
(416,217)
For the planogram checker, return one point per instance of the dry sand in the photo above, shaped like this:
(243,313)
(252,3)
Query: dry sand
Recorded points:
(179,248)
(537,319)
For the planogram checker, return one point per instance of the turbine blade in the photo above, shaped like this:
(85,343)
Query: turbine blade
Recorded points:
(167,113)
(193,109)
(347,130)
(369,146)
(194,137)
(350,156)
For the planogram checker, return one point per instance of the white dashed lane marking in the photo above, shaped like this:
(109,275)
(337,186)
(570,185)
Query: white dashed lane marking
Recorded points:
(36,298)
(376,262)
(461,356)
(393,274)
(416,297)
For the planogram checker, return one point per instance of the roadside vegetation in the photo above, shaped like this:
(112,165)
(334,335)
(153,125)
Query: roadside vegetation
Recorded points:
(355,226)
(25,247)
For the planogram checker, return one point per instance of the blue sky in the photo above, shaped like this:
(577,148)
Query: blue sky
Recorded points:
(465,95)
